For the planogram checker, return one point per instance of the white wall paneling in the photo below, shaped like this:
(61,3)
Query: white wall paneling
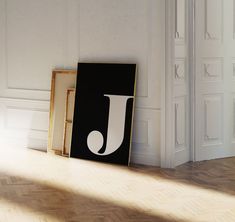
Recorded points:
(138,20)
(130,32)
(38,36)
(146,135)
(25,122)
(31,45)
(25,51)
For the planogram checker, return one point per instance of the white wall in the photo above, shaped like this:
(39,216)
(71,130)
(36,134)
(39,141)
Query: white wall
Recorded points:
(37,36)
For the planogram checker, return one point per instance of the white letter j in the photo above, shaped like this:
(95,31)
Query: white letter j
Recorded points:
(116,127)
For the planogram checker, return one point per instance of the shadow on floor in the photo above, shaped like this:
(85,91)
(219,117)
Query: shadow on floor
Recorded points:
(218,175)
(63,205)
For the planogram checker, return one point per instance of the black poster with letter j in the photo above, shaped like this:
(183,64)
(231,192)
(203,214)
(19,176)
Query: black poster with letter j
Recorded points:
(103,112)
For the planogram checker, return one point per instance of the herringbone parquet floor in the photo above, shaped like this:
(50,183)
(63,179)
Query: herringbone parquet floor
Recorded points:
(37,187)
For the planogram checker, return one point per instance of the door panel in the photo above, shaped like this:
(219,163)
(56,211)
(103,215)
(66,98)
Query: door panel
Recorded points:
(181,85)
(180,120)
(214,79)
(213,120)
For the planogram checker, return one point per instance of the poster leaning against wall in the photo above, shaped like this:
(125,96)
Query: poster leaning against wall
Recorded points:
(103,114)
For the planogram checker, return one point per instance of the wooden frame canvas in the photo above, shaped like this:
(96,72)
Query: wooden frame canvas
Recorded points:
(103,113)
(68,121)
(61,81)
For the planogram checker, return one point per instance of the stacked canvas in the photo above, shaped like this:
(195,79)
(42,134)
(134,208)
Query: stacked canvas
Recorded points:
(102,122)
(62,80)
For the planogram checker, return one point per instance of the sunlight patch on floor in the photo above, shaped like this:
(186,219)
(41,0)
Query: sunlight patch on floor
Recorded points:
(13,212)
(121,186)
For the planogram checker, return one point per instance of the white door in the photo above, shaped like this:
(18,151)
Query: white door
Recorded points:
(214,79)
(181,85)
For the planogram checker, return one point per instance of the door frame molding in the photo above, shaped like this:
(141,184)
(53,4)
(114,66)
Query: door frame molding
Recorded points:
(167,124)
(192,77)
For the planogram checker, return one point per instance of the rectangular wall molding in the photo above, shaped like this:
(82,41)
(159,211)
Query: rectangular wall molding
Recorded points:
(213,19)
(213,117)
(146,133)
(37,46)
(36,120)
(180,123)
(212,69)
(179,71)
(25,120)
(180,20)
